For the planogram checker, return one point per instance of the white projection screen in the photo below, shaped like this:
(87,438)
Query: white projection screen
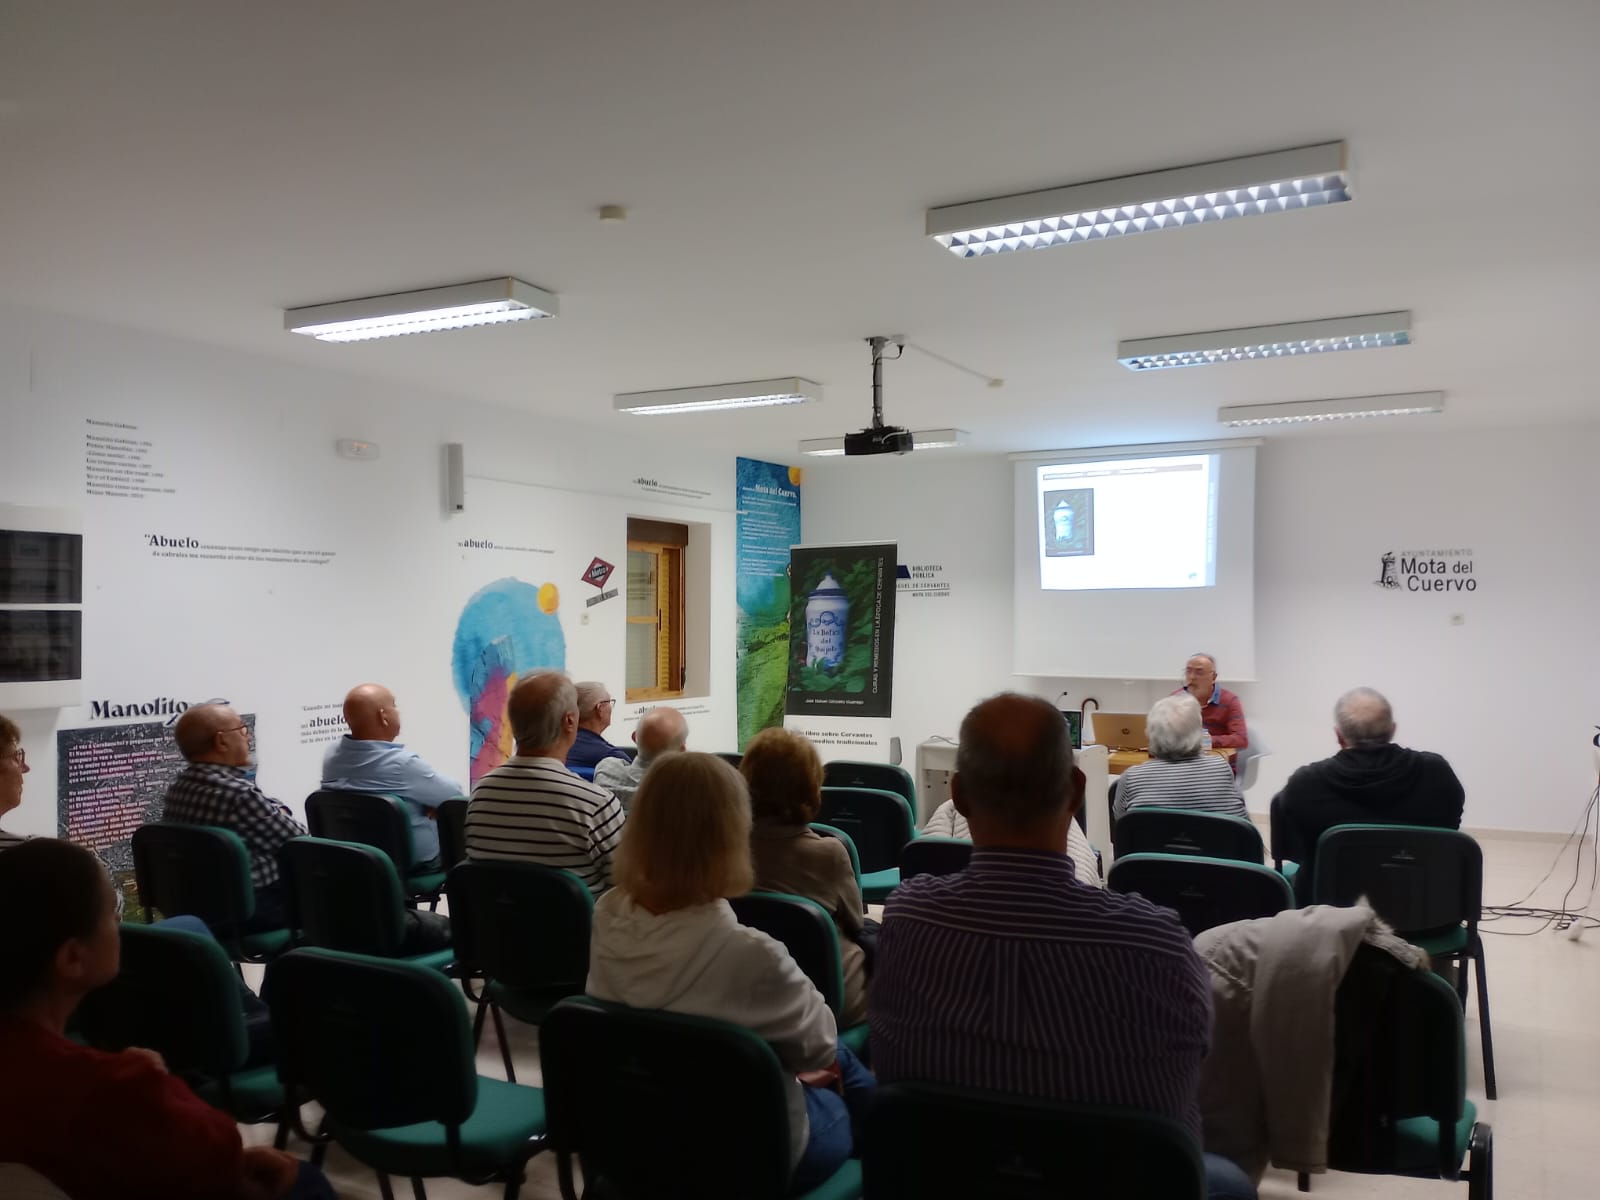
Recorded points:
(1127,560)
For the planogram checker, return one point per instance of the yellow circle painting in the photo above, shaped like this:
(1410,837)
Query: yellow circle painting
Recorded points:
(549,598)
(795,475)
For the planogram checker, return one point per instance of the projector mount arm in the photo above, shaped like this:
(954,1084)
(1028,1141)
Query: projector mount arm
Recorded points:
(878,345)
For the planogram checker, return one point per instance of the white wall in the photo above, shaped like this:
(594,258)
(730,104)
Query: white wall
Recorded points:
(1510,695)
(248,446)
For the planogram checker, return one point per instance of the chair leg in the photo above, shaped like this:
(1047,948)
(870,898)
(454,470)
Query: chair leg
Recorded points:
(477,1023)
(384,1189)
(1302,1180)
(564,1176)
(1483,1022)
(280,1140)
(418,1192)
(1480,1163)
(505,1046)
(514,1183)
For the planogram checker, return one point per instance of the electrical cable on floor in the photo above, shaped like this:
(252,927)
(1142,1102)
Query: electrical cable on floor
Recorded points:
(1565,916)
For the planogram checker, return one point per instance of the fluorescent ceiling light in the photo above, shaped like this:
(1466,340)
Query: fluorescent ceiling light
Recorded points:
(921,439)
(459,306)
(1400,404)
(1282,181)
(1267,341)
(757,393)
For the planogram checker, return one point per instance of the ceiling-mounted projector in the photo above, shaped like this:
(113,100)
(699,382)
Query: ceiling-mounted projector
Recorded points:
(879,438)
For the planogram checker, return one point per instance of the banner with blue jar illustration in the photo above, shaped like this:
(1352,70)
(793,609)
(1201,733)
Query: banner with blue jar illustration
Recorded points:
(841,630)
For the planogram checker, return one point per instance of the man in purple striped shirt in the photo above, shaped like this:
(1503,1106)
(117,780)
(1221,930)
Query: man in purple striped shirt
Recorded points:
(1014,977)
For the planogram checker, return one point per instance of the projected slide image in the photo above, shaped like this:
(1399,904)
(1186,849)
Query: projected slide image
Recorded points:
(1127,523)
(1069,523)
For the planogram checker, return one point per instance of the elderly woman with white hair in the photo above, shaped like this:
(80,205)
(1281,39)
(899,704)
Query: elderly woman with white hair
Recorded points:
(1180,773)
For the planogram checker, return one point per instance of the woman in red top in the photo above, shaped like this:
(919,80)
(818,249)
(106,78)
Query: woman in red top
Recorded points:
(97,1124)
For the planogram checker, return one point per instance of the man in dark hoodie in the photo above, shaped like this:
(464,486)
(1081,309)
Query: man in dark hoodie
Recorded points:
(1370,781)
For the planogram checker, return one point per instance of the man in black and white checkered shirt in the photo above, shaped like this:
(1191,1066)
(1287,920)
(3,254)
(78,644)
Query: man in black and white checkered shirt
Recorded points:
(216,789)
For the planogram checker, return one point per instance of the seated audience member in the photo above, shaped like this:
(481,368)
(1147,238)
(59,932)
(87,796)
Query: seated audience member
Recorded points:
(661,731)
(368,759)
(590,747)
(947,822)
(1370,780)
(1179,774)
(13,766)
(101,1125)
(1084,996)
(1220,709)
(665,938)
(784,775)
(531,807)
(216,789)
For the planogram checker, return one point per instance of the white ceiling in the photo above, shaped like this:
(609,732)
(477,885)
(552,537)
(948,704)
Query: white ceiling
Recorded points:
(193,168)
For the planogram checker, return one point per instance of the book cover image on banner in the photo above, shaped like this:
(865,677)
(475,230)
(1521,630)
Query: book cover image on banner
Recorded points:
(841,630)
(767,503)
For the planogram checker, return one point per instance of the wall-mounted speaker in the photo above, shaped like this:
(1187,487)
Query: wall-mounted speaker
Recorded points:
(455,478)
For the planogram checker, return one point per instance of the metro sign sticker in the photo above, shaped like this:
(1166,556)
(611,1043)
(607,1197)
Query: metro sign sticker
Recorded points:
(598,572)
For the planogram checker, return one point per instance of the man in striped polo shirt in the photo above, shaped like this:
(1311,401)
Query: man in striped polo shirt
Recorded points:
(1014,977)
(531,807)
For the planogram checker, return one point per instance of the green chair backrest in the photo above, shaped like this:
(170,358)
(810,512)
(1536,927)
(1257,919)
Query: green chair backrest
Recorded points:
(344,896)
(934,855)
(175,993)
(521,924)
(878,821)
(1184,831)
(1400,1051)
(377,1042)
(807,932)
(885,777)
(664,1106)
(194,870)
(1419,878)
(452,818)
(1205,892)
(1011,1148)
(834,831)
(366,817)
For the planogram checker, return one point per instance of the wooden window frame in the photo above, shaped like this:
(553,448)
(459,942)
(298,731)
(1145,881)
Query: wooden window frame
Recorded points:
(670,633)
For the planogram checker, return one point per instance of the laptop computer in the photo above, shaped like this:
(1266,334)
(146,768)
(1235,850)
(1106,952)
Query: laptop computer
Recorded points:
(1121,731)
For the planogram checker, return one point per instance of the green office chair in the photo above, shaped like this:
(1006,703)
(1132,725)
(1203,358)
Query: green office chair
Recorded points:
(880,824)
(385,1048)
(660,1106)
(524,930)
(177,993)
(934,855)
(452,834)
(885,777)
(1425,882)
(1400,1082)
(1183,831)
(807,931)
(1205,892)
(1002,1147)
(346,896)
(375,820)
(203,871)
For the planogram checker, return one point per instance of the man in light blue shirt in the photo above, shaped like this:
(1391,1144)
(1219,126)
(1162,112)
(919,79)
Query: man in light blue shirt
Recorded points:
(368,759)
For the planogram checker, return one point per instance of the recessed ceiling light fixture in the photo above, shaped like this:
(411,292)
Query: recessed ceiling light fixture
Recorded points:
(1282,181)
(758,393)
(1266,341)
(458,306)
(1300,412)
(921,439)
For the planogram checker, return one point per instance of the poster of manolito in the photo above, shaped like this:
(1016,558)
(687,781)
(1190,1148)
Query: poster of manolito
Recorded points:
(841,630)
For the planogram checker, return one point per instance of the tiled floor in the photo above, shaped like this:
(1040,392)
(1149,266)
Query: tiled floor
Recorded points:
(1546,994)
